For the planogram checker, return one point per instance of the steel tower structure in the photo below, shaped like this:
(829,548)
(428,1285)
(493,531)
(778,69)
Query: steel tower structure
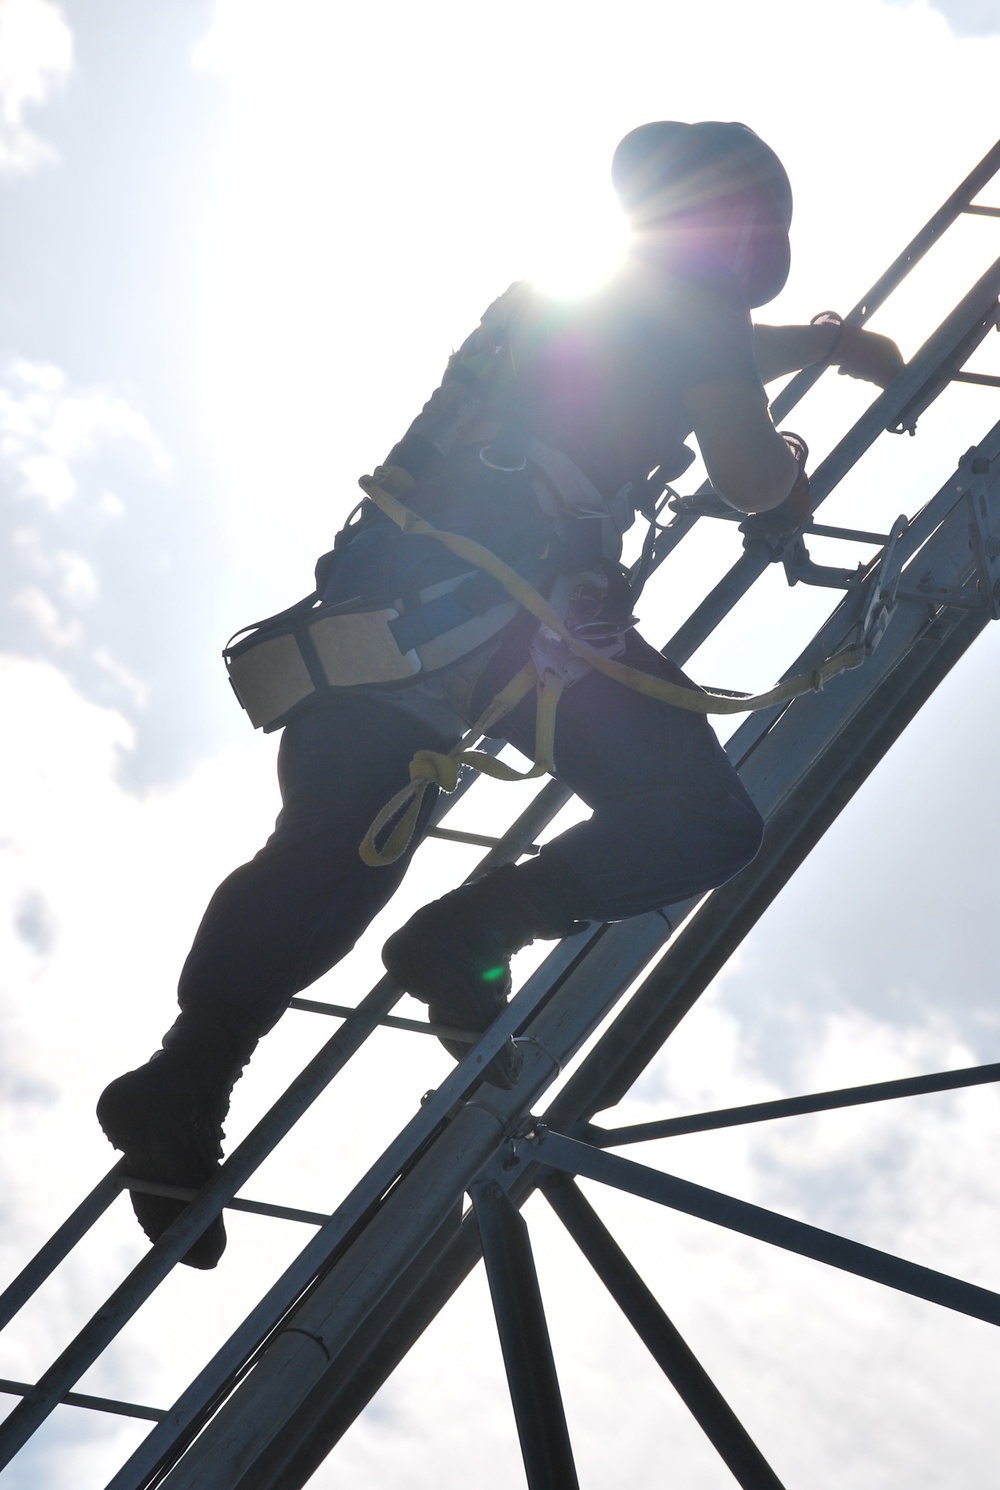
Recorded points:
(272,1403)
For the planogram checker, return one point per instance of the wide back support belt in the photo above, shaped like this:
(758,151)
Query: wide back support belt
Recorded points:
(278,667)
(310,650)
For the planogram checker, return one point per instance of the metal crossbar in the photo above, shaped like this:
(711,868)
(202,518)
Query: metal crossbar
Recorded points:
(672,1354)
(524,1339)
(764,1112)
(569,1156)
(95,1404)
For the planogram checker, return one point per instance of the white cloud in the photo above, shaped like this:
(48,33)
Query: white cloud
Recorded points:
(87,576)
(48,621)
(47,427)
(36,56)
(77,581)
(964,17)
(50,478)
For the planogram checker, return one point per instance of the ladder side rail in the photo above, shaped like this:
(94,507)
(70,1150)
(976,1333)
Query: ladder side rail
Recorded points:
(552,1038)
(655,931)
(362,1202)
(976,310)
(800,775)
(692,960)
(59,1245)
(798,386)
(917,380)
(948,213)
(796,389)
(883,398)
(241,1164)
(247,1425)
(154,1266)
(553,796)
(978,178)
(798,738)
(672,988)
(550,800)
(837,630)
(411,1303)
(56,1382)
(543,1059)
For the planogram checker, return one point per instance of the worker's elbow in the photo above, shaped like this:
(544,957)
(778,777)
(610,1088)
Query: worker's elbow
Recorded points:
(753,491)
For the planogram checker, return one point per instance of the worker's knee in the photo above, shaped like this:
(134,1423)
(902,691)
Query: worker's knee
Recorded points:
(741,838)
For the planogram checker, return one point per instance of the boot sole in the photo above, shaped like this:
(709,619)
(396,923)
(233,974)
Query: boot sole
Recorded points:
(503,1070)
(453,998)
(155,1147)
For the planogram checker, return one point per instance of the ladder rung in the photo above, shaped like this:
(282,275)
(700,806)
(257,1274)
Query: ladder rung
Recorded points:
(255,1207)
(982,211)
(478,840)
(390,1021)
(98,1404)
(851,535)
(987,380)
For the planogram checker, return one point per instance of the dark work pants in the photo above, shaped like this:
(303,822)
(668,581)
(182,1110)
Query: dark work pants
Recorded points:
(670,819)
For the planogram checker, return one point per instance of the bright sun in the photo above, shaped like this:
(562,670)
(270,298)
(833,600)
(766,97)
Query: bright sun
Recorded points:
(575,257)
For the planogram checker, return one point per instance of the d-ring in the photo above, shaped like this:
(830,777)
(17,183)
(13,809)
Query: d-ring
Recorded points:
(493,465)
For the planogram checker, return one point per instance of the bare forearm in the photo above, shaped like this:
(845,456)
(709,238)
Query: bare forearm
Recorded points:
(749,464)
(859,353)
(785,349)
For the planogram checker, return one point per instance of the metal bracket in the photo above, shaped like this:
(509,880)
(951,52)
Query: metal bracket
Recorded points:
(800,569)
(881,602)
(984,526)
(949,369)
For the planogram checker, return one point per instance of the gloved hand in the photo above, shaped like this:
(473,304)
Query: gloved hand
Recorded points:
(862,354)
(796,509)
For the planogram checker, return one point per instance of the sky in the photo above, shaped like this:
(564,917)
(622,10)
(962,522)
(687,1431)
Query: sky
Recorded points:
(240,241)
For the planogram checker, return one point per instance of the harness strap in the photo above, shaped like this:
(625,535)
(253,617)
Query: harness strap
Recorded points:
(696,700)
(434,768)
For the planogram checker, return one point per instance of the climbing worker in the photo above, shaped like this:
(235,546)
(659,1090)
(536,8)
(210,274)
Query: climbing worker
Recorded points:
(538,447)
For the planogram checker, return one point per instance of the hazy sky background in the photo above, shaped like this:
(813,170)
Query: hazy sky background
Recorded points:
(240,241)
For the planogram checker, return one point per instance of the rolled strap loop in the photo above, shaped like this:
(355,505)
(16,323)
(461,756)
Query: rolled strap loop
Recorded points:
(435,768)
(432,768)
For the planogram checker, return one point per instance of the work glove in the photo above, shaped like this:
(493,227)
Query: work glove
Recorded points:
(795,510)
(789,515)
(861,354)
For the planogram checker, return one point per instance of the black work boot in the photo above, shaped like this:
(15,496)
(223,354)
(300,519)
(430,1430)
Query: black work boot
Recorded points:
(166,1118)
(454,954)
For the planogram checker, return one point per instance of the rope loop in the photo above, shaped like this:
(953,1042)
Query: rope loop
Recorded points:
(431,768)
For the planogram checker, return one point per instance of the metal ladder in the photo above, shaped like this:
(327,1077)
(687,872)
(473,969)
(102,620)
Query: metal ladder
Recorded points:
(272,1402)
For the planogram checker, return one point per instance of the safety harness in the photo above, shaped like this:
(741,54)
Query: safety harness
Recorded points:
(331,640)
(383,613)
(435,768)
